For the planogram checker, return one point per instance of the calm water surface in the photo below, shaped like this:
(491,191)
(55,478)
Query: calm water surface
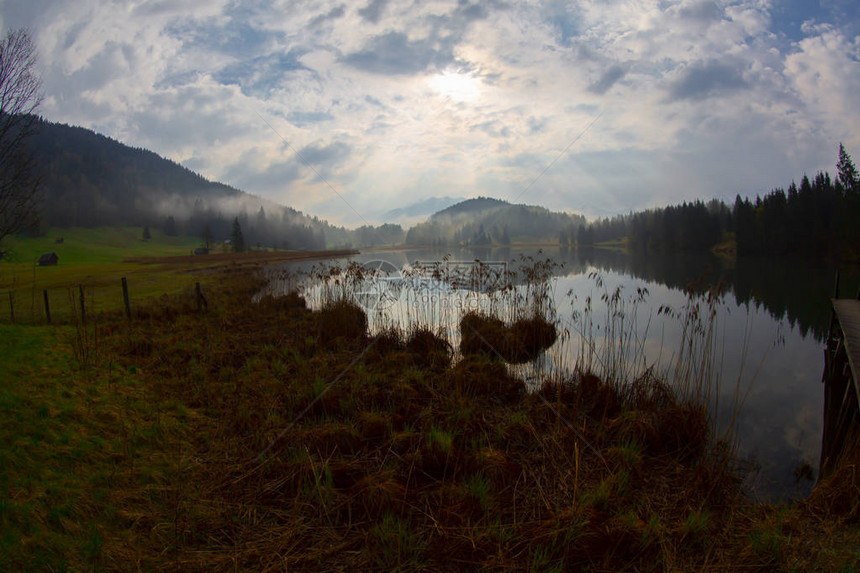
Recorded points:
(768,349)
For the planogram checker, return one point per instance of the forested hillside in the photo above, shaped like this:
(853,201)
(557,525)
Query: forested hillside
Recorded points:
(820,218)
(90,180)
(486,221)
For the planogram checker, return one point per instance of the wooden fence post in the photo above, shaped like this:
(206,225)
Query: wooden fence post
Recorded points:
(83,306)
(125,298)
(201,300)
(47,306)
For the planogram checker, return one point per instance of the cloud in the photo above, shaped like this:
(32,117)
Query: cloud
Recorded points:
(706,11)
(262,73)
(278,175)
(393,53)
(306,118)
(493,128)
(333,14)
(357,88)
(373,11)
(607,80)
(537,125)
(566,24)
(705,80)
(403,53)
(325,155)
(824,74)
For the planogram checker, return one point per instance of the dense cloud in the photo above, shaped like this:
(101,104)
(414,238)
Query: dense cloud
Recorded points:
(373,11)
(394,53)
(706,11)
(704,80)
(389,102)
(607,80)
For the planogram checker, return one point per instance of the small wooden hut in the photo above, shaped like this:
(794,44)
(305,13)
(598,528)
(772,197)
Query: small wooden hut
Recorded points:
(48,259)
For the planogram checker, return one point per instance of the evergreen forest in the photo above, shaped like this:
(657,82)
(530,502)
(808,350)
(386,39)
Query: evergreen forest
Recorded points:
(820,218)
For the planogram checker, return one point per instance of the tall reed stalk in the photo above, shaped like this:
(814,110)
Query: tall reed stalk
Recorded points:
(614,348)
(605,336)
(428,296)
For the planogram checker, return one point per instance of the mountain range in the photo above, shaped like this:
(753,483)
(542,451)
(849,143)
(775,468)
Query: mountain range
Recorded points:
(91,180)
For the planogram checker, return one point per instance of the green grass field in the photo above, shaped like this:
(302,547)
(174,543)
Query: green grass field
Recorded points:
(96,260)
(73,438)
(93,246)
(92,258)
(614,245)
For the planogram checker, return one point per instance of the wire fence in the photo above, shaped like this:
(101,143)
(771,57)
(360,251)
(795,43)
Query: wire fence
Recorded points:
(72,304)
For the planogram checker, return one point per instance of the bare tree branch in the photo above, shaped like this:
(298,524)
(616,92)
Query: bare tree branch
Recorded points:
(20,96)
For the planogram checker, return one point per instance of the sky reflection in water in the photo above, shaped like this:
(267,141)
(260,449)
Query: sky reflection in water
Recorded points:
(768,349)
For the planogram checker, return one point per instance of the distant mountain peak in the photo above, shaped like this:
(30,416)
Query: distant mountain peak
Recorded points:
(488,221)
(422,208)
(471,206)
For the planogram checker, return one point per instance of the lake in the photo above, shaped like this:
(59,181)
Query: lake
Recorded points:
(763,336)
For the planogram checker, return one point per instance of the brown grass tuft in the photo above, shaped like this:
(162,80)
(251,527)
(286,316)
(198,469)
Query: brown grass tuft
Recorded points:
(483,335)
(341,319)
(684,431)
(330,438)
(378,494)
(480,377)
(528,337)
(838,495)
(387,342)
(520,342)
(600,399)
(429,351)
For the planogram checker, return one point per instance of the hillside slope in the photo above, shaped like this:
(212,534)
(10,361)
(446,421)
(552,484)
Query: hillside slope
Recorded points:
(90,180)
(485,221)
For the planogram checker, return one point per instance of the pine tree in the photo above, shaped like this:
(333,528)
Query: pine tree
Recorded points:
(846,172)
(170,226)
(207,235)
(237,240)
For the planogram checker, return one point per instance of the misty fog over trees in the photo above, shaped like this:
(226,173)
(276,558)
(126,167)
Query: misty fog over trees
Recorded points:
(90,180)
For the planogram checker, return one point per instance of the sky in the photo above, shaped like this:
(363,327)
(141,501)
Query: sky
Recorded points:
(346,110)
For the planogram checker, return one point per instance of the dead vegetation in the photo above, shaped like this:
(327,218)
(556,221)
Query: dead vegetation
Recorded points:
(248,258)
(311,445)
(517,343)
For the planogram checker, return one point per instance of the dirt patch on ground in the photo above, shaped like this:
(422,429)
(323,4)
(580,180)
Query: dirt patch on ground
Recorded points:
(254,257)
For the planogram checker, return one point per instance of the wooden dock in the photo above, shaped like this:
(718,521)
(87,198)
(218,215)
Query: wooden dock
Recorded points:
(841,391)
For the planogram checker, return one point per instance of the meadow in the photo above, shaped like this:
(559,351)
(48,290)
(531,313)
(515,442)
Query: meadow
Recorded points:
(266,435)
(94,261)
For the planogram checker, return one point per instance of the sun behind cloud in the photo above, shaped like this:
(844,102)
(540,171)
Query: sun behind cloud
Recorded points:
(456,85)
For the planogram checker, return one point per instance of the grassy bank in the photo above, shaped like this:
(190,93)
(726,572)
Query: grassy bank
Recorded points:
(96,260)
(267,436)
